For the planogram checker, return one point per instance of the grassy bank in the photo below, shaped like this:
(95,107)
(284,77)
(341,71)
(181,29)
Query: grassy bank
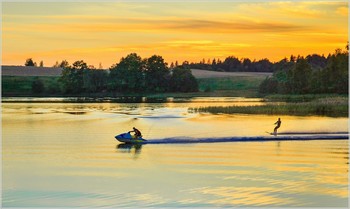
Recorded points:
(333,107)
(301,97)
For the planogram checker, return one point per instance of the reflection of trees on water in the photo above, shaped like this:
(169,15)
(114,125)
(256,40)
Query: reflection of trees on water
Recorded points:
(130,148)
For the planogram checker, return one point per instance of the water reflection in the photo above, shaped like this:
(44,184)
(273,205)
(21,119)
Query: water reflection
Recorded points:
(129,99)
(52,158)
(130,148)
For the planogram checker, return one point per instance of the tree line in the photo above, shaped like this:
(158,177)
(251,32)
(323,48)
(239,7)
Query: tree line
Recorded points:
(131,75)
(234,64)
(231,64)
(30,62)
(296,75)
(311,74)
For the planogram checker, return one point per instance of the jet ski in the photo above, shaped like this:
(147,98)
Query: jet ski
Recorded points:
(128,138)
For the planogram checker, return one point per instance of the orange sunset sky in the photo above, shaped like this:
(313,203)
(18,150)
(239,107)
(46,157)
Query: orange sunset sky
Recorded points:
(177,30)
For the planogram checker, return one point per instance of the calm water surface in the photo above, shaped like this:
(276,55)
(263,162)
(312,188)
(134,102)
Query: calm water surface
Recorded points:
(65,155)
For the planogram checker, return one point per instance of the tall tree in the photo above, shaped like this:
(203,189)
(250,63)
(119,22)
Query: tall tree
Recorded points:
(64,64)
(246,64)
(95,80)
(263,65)
(56,64)
(182,80)
(72,77)
(300,76)
(316,61)
(38,86)
(156,74)
(128,75)
(337,72)
(232,64)
(30,62)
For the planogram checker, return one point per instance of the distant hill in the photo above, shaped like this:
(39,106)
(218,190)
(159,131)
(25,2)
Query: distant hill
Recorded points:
(30,71)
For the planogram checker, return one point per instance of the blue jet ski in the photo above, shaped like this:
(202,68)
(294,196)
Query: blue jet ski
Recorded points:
(128,138)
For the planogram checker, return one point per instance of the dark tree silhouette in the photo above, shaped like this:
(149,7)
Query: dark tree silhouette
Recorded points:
(30,62)
(156,74)
(128,74)
(38,86)
(313,74)
(182,80)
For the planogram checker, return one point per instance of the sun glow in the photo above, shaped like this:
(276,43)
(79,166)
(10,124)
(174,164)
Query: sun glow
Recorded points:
(178,31)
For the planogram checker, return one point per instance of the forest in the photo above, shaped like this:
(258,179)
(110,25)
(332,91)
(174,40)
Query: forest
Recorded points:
(310,75)
(132,74)
(235,64)
(313,74)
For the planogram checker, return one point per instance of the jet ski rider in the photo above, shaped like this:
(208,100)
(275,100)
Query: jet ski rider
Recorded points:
(137,133)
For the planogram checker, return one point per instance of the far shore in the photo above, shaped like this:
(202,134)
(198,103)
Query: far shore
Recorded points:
(8,70)
(17,80)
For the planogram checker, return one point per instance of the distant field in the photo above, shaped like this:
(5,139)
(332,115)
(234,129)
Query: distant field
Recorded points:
(239,86)
(236,84)
(214,74)
(30,71)
(53,71)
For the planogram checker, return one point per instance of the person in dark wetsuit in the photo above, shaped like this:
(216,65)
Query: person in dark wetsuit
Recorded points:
(278,123)
(137,133)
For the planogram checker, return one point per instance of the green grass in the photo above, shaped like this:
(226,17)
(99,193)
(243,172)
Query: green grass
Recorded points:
(301,97)
(22,85)
(333,107)
(233,86)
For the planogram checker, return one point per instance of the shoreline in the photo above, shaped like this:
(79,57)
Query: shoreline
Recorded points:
(127,99)
(307,105)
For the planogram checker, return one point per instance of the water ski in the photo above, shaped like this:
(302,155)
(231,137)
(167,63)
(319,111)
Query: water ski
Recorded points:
(273,134)
(128,138)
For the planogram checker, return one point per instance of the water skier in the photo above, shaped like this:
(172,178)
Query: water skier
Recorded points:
(278,123)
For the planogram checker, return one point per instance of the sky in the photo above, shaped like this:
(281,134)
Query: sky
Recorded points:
(104,32)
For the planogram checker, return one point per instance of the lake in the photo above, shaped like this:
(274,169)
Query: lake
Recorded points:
(62,154)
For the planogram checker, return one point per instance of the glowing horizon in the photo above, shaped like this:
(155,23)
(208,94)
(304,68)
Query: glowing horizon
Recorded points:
(178,31)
